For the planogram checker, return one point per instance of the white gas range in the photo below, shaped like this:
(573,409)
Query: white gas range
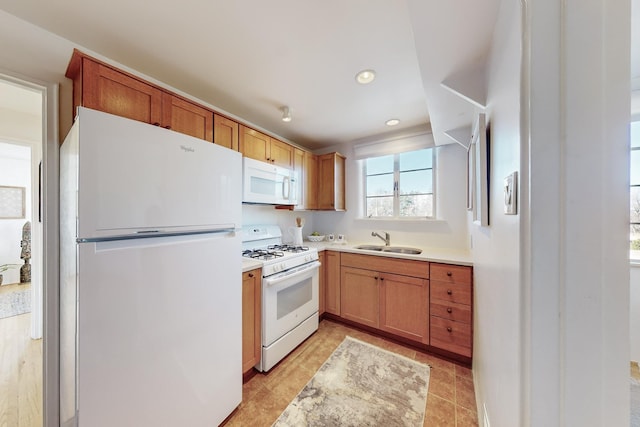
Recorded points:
(290,288)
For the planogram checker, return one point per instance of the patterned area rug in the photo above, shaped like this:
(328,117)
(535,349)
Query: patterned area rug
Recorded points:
(635,403)
(14,303)
(361,385)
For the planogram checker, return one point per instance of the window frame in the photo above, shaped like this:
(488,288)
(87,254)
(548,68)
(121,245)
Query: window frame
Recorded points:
(396,187)
(634,119)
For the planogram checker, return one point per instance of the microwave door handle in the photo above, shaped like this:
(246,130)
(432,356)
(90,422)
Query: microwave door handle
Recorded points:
(286,187)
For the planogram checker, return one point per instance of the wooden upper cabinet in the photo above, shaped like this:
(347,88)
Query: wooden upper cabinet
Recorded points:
(299,167)
(254,144)
(281,153)
(310,181)
(105,89)
(331,176)
(225,132)
(185,117)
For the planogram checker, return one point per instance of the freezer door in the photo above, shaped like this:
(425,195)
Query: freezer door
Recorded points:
(135,177)
(159,331)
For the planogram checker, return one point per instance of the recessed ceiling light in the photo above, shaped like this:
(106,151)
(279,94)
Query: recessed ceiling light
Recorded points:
(392,122)
(365,76)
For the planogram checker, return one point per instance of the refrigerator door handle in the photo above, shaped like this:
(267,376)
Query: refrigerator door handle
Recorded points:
(141,234)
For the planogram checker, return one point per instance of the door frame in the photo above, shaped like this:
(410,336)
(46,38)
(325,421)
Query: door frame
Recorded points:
(50,243)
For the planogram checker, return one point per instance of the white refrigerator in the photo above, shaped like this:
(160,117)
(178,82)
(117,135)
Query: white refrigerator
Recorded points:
(150,285)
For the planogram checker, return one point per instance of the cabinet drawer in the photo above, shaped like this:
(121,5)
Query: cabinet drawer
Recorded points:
(451,311)
(451,292)
(403,267)
(451,336)
(451,273)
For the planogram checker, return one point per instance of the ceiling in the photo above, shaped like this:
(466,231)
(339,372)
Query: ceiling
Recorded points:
(250,58)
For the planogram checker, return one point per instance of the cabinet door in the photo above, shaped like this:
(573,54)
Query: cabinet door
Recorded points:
(225,132)
(331,176)
(299,167)
(254,144)
(251,319)
(113,92)
(185,117)
(332,296)
(323,281)
(281,153)
(310,180)
(359,299)
(404,306)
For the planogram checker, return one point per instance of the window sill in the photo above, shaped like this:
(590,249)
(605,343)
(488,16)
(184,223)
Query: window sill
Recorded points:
(404,220)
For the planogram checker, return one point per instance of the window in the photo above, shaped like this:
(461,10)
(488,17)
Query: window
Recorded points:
(635,191)
(400,185)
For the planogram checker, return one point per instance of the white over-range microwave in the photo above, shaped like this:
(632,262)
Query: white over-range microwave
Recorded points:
(268,184)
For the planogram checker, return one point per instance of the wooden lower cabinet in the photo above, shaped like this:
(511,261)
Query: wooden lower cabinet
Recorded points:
(251,318)
(359,296)
(404,306)
(451,308)
(323,282)
(332,291)
(394,303)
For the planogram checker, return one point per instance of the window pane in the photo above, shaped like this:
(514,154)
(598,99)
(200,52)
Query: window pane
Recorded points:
(382,164)
(416,205)
(635,134)
(634,244)
(634,171)
(380,185)
(416,182)
(379,206)
(635,205)
(420,159)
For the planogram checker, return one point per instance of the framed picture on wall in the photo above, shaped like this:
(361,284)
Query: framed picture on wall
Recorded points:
(12,202)
(480,197)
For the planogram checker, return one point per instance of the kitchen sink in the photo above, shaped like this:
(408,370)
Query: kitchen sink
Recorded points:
(370,247)
(393,249)
(402,250)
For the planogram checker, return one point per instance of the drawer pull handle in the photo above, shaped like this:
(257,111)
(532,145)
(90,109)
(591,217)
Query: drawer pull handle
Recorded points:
(449,273)
(449,310)
(449,292)
(449,329)
(250,274)
(375,277)
(382,278)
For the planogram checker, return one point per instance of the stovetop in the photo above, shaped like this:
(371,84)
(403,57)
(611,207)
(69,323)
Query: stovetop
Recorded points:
(264,243)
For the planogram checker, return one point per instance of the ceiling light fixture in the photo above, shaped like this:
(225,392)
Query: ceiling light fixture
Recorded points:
(286,114)
(365,76)
(392,122)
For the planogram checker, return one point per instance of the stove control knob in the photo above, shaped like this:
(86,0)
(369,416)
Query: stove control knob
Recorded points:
(282,266)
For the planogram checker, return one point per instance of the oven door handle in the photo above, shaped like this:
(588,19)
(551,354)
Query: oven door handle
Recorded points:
(291,275)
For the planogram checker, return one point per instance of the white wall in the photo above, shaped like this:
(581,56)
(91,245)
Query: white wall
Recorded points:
(15,170)
(575,259)
(261,214)
(497,329)
(448,231)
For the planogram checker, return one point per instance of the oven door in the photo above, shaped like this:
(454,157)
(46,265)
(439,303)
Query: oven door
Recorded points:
(288,299)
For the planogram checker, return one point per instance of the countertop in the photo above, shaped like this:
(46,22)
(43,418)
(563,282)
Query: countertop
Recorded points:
(440,255)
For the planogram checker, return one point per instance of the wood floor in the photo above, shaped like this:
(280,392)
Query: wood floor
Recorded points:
(450,402)
(20,372)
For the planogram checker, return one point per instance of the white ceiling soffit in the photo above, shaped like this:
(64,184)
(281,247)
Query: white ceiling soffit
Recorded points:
(452,43)
(250,57)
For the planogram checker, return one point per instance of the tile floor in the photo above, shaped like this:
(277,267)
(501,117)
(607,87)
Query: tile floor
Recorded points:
(450,402)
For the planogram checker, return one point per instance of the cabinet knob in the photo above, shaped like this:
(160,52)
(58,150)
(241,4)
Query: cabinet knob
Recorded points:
(449,329)
(156,124)
(449,273)
(449,292)
(250,274)
(382,278)
(167,127)
(449,310)
(375,277)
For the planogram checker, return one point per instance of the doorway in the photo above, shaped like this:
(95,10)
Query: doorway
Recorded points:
(21,252)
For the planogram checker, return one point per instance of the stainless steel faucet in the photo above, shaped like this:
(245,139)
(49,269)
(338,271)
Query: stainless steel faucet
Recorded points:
(386,238)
